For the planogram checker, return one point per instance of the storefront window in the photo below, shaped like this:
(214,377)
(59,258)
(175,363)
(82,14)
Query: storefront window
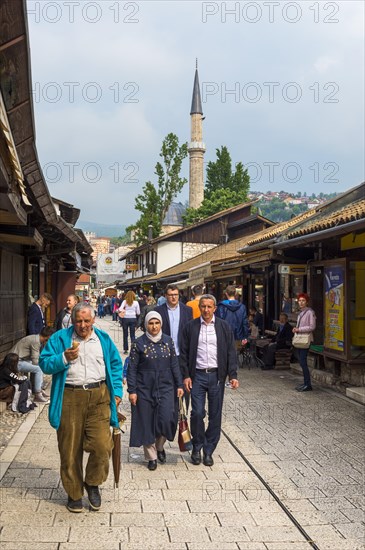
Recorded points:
(290,287)
(357,309)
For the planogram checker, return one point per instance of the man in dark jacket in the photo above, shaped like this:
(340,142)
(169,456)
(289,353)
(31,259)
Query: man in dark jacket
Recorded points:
(234,313)
(36,320)
(174,315)
(207,357)
(281,340)
(63,319)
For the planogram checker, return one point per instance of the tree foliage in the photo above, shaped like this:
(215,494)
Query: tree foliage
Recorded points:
(278,211)
(155,200)
(224,187)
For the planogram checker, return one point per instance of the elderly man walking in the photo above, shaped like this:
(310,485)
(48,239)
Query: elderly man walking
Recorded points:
(86,390)
(207,357)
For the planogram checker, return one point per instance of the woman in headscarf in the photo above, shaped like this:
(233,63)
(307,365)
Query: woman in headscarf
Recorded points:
(154,383)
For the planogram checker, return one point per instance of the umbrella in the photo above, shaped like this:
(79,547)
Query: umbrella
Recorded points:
(116,454)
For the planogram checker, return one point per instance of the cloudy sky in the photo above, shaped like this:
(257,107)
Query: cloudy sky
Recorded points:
(282,86)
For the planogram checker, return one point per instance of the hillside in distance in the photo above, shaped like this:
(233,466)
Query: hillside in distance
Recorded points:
(101,229)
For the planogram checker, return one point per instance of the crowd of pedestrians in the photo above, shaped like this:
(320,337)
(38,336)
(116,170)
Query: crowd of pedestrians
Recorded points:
(186,350)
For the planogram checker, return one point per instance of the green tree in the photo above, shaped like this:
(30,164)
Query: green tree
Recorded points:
(155,200)
(224,187)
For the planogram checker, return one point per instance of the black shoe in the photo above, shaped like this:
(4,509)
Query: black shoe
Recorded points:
(196,458)
(94,496)
(305,388)
(208,460)
(161,455)
(152,465)
(74,505)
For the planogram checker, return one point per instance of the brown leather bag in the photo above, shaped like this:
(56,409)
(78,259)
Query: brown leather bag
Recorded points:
(184,439)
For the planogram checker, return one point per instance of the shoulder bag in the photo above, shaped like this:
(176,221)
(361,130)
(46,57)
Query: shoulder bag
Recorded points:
(302,340)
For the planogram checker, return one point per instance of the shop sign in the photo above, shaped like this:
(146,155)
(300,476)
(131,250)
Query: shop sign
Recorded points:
(334,308)
(199,273)
(131,267)
(292,269)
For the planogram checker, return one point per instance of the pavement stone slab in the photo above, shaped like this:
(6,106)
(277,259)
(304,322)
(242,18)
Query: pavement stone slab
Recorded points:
(203,519)
(25,545)
(98,533)
(148,545)
(97,545)
(282,534)
(235,519)
(212,546)
(38,533)
(251,546)
(85,519)
(167,506)
(28,517)
(230,534)
(185,533)
(155,535)
(129,519)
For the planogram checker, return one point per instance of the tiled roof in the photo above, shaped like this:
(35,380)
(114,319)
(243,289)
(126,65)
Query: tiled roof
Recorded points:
(351,212)
(271,232)
(227,251)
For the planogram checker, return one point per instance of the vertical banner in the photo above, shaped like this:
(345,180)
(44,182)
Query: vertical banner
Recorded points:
(334,308)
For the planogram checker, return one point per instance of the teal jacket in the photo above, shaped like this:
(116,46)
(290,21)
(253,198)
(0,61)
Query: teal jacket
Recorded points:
(51,362)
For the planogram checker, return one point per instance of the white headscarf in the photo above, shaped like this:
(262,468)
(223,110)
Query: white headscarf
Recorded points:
(153,315)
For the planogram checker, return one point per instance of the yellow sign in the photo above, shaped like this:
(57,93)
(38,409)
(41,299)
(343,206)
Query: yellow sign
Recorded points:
(353,240)
(131,267)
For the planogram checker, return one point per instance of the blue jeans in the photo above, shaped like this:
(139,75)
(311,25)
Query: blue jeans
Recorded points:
(206,384)
(131,325)
(302,356)
(25,367)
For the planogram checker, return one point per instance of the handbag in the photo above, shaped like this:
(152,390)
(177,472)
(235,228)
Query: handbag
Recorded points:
(302,340)
(121,313)
(184,439)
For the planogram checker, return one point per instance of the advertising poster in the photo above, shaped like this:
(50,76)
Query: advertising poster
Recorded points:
(334,308)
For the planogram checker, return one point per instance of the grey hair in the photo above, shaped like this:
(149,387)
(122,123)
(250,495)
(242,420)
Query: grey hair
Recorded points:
(81,307)
(208,297)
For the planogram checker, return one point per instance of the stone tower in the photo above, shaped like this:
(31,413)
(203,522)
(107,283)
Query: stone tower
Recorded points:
(196,148)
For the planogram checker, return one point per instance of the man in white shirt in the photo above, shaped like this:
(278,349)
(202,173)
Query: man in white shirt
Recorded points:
(207,357)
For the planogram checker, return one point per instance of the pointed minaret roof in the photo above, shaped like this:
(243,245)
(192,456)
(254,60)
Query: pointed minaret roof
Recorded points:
(196,102)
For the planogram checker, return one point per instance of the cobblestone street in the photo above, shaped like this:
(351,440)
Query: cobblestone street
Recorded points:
(308,448)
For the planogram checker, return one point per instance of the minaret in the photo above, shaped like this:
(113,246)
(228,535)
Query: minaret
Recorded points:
(196,148)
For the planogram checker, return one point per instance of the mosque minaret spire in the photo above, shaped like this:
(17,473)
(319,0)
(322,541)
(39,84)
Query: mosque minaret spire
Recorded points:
(196,147)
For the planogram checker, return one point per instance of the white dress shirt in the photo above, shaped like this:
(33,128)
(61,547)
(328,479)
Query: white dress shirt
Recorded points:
(174,318)
(206,357)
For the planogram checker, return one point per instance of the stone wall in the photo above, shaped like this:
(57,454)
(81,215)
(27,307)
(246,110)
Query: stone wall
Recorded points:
(190,250)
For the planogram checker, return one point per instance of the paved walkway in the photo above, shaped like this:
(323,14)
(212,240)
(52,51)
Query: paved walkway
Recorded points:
(308,447)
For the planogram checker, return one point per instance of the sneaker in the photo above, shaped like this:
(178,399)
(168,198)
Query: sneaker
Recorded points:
(94,496)
(74,505)
(39,398)
(45,394)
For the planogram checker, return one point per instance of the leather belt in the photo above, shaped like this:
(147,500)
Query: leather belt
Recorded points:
(207,370)
(86,386)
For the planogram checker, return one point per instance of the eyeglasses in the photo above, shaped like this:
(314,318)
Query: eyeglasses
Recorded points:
(172,295)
